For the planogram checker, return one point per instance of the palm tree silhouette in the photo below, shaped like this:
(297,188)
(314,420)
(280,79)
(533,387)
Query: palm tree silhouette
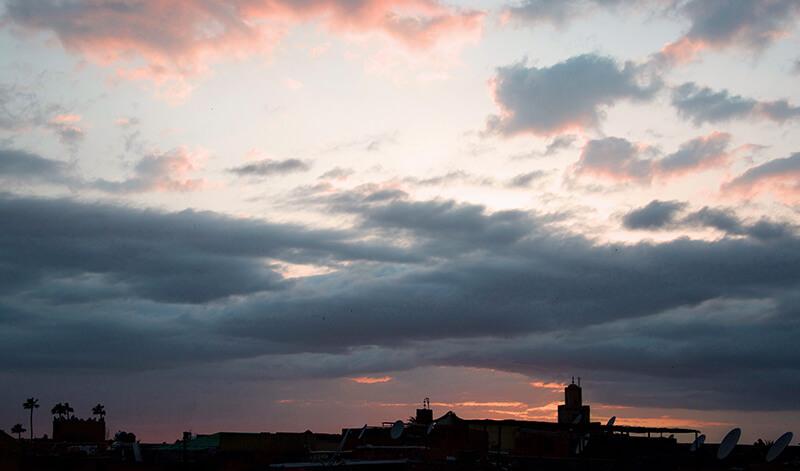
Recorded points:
(31,404)
(99,410)
(18,429)
(58,409)
(68,409)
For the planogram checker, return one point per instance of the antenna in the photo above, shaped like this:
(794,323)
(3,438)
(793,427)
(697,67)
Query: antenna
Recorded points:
(579,381)
(777,448)
(698,442)
(339,448)
(397,430)
(728,443)
(426,404)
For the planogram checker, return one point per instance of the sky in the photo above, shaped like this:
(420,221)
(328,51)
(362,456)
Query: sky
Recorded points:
(276,215)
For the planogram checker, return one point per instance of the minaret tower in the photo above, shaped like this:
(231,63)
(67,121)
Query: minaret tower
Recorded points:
(573,411)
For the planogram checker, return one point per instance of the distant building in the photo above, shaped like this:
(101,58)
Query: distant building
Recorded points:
(573,411)
(79,430)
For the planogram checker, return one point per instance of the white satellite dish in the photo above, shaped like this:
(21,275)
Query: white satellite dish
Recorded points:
(577,419)
(728,443)
(780,444)
(611,421)
(361,433)
(397,430)
(698,442)
(582,442)
(430,428)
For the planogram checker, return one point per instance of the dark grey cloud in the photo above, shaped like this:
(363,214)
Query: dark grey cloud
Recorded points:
(559,143)
(559,12)
(567,95)
(187,257)
(657,214)
(752,23)
(672,215)
(337,172)
(704,105)
(415,283)
(20,164)
(267,167)
(524,180)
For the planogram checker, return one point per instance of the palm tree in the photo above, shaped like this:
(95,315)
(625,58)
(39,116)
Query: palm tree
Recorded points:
(57,409)
(68,409)
(99,410)
(18,430)
(31,404)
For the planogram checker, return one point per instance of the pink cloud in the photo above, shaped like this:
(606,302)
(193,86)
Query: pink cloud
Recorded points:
(682,51)
(65,119)
(620,160)
(173,43)
(780,177)
(67,131)
(370,380)
(162,172)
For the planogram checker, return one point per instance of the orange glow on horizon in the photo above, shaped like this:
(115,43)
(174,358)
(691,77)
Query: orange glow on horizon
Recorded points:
(370,380)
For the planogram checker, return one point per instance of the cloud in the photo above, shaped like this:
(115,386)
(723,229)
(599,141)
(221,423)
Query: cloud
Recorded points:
(267,167)
(178,41)
(781,177)
(560,12)
(66,128)
(524,180)
(752,24)
(560,142)
(161,172)
(19,164)
(104,287)
(566,96)
(664,215)
(370,380)
(656,215)
(703,105)
(337,173)
(619,160)
(726,220)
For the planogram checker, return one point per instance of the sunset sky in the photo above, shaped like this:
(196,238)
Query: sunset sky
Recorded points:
(278,215)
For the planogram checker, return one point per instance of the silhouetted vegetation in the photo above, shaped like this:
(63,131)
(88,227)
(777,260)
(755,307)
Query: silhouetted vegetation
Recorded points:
(19,430)
(31,404)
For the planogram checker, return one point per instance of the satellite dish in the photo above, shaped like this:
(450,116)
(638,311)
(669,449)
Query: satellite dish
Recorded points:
(728,443)
(671,436)
(777,448)
(582,442)
(611,421)
(397,430)
(361,433)
(577,419)
(698,442)
(430,428)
